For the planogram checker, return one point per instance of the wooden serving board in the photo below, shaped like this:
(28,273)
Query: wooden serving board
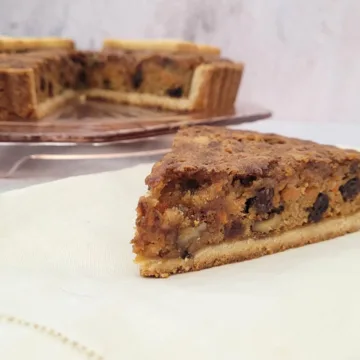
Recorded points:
(99,122)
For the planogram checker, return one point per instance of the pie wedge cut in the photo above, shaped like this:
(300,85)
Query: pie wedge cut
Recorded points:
(222,196)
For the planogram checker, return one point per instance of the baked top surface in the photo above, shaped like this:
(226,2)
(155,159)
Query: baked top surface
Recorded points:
(165,44)
(7,42)
(211,150)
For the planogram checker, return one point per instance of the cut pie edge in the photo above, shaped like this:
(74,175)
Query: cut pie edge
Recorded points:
(241,250)
(214,87)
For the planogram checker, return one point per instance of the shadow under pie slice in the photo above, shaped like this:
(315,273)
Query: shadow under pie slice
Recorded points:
(223,196)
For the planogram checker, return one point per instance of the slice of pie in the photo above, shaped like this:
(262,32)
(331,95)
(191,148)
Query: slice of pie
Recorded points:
(161,45)
(223,196)
(24,44)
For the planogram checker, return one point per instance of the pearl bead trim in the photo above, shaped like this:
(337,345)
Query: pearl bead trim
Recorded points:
(85,351)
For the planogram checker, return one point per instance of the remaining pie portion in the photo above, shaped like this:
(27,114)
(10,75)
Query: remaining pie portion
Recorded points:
(35,83)
(223,196)
(172,81)
(25,44)
(161,45)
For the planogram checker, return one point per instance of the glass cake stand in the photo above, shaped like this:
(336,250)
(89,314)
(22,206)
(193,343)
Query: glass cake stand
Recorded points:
(94,131)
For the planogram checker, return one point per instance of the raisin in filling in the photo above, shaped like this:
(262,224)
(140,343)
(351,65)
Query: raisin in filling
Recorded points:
(51,89)
(244,180)
(82,78)
(262,202)
(107,84)
(350,189)
(320,206)
(190,185)
(176,92)
(233,229)
(185,254)
(137,78)
(42,84)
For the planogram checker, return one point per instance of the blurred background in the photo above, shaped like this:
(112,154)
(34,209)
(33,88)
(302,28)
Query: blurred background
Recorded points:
(302,56)
(302,63)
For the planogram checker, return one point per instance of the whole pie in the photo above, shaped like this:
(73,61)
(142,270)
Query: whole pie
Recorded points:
(222,196)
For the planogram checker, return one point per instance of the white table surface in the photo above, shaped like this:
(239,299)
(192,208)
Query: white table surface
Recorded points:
(35,171)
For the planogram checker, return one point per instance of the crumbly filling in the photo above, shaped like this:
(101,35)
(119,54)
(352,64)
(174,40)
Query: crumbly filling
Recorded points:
(193,212)
(54,76)
(140,72)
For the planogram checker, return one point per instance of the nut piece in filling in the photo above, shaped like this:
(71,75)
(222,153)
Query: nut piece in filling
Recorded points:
(223,196)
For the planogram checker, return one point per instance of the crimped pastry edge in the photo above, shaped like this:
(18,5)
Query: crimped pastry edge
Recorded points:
(214,87)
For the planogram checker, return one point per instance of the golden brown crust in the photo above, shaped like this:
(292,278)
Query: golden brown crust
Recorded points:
(241,250)
(214,86)
(161,45)
(31,43)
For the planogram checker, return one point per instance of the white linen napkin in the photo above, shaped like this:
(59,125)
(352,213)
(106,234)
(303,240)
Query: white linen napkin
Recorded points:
(69,288)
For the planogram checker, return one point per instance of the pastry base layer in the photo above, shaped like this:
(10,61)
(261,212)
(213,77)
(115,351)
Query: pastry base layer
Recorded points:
(53,104)
(132,98)
(240,250)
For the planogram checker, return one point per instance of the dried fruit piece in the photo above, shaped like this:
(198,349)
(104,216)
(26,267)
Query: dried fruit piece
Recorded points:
(107,84)
(51,89)
(350,189)
(244,180)
(262,202)
(82,78)
(190,185)
(321,204)
(42,84)
(137,78)
(176,92)
(233,229)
